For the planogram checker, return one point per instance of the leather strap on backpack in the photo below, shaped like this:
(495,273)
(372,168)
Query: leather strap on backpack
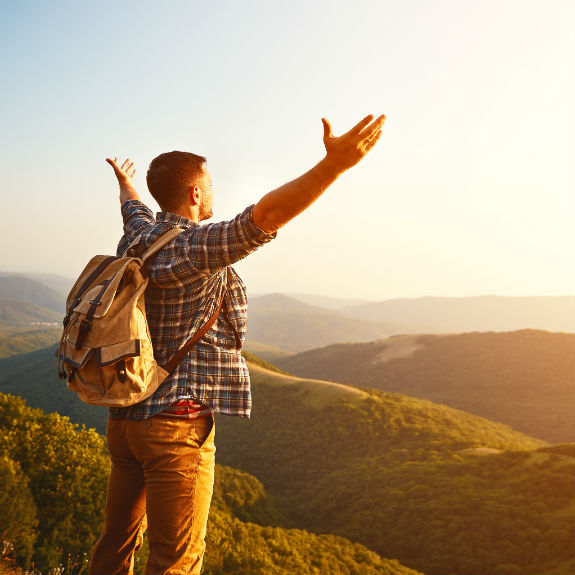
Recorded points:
(86,323)
(171,365)
(163,240)
(101,267)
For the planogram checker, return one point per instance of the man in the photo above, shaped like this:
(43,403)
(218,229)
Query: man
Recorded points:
(162,449)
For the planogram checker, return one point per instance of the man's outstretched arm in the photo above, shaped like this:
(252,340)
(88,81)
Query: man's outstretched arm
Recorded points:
(277,208)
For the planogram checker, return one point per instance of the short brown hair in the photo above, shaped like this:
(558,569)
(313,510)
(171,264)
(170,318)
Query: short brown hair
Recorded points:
(170,175)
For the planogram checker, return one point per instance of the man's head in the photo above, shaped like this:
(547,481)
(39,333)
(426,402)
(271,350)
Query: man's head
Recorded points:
(180,180)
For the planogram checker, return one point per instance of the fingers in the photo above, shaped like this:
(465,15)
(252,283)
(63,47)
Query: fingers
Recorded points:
(361,125)
(372,129)
(364,130)
(327,133)
(130,167)
(372,141)
(127,168)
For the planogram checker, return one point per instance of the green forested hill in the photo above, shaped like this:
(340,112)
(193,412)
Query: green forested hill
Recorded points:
(34,377)
(523,378)
(441,490)
(65,470)
(267,352)
(52,489)
(26,341)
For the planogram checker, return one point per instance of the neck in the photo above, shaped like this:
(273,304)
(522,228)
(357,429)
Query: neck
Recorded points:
(190,212)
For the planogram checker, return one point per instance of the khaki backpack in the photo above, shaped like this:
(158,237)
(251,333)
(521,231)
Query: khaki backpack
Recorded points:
(105,352)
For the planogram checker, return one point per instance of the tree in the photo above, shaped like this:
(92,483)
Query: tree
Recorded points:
(18,519)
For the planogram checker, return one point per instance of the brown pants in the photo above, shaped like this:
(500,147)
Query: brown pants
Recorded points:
(162,468)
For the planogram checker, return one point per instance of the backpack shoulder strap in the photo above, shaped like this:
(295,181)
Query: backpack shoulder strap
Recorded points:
(171,364)
(131,245)
(162,241)
(135,250)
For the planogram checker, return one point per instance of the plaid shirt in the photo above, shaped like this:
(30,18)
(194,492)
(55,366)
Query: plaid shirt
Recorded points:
(187,280)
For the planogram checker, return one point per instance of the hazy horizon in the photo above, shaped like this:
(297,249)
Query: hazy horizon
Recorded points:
(254,294)
(469,192)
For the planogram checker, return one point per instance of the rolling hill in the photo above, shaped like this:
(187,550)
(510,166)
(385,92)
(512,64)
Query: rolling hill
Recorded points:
(30,312)
(60,284)
(26,341)
(523,379)
(23,315)
(441,490)
(268,352)
(33,376)
(23,289)
(327,302)
(293,326)
(55,476)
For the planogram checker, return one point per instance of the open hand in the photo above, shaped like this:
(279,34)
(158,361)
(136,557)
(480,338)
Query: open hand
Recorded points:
(347,150)
(125,174)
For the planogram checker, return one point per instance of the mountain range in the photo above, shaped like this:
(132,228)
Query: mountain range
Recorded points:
(292,325)
(479,313)
(23,289)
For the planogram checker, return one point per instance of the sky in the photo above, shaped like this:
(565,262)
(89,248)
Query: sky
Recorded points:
(468,192)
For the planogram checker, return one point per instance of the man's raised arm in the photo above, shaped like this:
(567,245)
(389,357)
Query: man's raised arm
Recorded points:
(277,208)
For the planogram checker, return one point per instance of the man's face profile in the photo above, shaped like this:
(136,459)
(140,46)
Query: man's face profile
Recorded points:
(207,195)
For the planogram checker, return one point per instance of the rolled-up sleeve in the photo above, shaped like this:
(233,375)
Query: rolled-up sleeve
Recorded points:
(137,219)
(214,246)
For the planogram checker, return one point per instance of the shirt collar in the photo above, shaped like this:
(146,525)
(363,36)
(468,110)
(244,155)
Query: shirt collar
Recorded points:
(174,219)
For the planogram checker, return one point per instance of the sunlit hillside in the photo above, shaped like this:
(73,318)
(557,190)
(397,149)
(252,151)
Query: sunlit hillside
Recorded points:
(524,378)
(442,490)
(438,489)
(53,479)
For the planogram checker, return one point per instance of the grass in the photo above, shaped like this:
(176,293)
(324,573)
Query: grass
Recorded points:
(315,392)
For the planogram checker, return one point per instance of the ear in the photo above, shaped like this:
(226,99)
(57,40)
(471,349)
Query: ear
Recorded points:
(194,196)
